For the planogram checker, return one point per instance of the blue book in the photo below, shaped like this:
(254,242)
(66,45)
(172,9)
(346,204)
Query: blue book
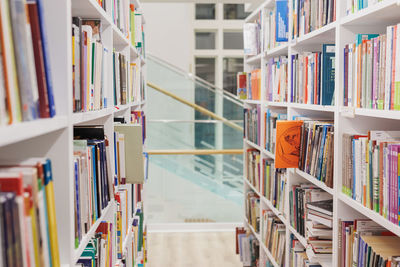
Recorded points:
(321,153)
(76,171)
(328,74)
(46,58)
(96,212)
(367,36)
(281,20)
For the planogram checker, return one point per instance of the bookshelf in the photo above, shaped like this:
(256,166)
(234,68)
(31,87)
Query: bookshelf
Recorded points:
(372,19)
(52,138)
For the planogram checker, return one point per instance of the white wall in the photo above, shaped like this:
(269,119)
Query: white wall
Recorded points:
(169,32)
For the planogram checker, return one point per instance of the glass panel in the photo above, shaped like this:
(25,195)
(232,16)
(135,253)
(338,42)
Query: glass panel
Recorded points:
(233,40)
(231,67)
(235,11)
(205,69)
(205,40)
(205,11)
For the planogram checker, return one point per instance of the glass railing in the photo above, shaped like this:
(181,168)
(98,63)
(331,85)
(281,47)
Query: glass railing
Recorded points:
(184,186)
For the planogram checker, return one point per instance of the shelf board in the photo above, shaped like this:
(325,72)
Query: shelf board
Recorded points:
(323,35)
(254,14)
(276,104)
(375,113)
(254,145)
(379,219)
(134,53)
(313,107)
(82,117)
(251,186)
(252,102)
(384,13)
(253,60)
(268,153)
(119,39)
(89,9)
(299,237)
(29,129)
(273,209)
(315,181)
(85,239)
(277,51)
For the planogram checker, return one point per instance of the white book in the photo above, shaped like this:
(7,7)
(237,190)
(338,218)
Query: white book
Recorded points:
(388,76)
(98,75)
(3,109)
(249,39)
(363,167)
(355,75)
(397,69)
(89,32)
(357,174)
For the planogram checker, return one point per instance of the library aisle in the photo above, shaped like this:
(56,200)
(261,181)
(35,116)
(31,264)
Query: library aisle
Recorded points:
(194,249)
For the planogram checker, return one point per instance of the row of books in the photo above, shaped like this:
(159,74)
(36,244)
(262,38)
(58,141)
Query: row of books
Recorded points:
(363,242)
(310,15)
(316,150)
(120,15)
(26,89)
(253,168)
(252,36)
(102,3)
(353,6)
(277,79)
(372,72)
(274,184)
(371,171)
(276,25)
(89,65)
(248,247)
(273,235)
(270,128)
(93,177)
(298,255)
(253,210)
(28,226)
(98,251)
(249,85)
(299,196)
(313,77)
(252,124)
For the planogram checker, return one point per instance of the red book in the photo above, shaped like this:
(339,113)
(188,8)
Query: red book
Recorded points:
(39,60)
(239,230)
(12,182)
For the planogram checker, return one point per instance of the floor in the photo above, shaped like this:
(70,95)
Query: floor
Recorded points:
(205,249)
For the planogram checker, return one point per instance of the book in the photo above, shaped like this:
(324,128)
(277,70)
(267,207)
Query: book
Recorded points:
(252,210)
(252,124)
(241,81)
(273,235)
(251,38)
(287,149)
(277,79)
(270,119)
(324,206)
(274,184)
(282,22)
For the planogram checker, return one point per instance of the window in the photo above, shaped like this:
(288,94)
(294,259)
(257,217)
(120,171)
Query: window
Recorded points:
(231,67)
(205,69)
(233,40)
(235,11)
(205,11)
(205,40)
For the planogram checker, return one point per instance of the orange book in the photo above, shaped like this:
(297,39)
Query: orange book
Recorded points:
(287,149)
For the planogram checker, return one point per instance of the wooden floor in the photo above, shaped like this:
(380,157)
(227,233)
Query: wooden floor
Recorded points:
(205,249)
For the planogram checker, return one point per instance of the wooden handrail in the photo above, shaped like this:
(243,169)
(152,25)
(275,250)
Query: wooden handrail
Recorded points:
(196,107)
(195,152)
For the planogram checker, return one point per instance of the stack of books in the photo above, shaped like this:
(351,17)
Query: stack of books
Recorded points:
(353,6)
(277,79)
(274,184)
(316,150)
(363,242)
(319,229)
(253,168)
(372,72)
(26,89)
(98,251)
(252,124)
(276,35)
(298,256)
(270,128)
(371,170)
(93,177)
(313,77)
(252,36)
(28,217)
(248,248)
(253,210)
(310,15)
(89,65)
(299,196)
(273,235)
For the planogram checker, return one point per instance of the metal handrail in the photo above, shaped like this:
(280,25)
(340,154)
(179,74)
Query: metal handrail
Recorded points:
(194,78)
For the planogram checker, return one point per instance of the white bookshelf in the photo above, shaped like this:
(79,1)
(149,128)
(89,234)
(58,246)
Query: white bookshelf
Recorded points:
(53,137)
(373,19)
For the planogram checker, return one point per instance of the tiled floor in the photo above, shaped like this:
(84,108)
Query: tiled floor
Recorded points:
(206,249)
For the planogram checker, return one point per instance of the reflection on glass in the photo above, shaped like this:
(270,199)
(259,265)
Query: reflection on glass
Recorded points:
(205,40)
(235,11)
(205,69)
(233,40)
(231,67)
(205,11)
